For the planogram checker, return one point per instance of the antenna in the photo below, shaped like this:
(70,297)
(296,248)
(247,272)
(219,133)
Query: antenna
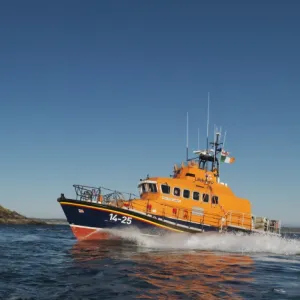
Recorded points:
(224,139)
(187,136)
(206,163)
(221,149)
(215,150)
(215,131)
(207,123)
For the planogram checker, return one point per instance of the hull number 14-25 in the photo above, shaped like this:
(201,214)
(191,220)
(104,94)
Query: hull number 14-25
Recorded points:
(123,219)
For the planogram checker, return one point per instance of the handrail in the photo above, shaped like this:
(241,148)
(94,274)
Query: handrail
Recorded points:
(92,194)
(230,218)
(239,219)
(116,198)
(179,213)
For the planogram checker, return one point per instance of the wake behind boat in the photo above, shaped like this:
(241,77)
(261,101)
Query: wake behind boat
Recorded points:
(192,200)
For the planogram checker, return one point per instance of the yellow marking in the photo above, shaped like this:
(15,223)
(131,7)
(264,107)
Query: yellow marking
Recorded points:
(116,212)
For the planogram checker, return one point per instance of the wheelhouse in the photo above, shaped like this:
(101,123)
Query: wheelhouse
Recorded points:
(147,186)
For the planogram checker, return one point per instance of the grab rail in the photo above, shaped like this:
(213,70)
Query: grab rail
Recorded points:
(93,194)
(123,199)
(239,219)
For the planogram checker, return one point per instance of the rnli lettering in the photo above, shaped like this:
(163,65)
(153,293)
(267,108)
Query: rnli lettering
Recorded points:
(171,199)
(121,219)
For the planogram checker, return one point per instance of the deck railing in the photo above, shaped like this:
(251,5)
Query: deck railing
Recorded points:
(239,219)
(97,194)
(165,212)
(177,214)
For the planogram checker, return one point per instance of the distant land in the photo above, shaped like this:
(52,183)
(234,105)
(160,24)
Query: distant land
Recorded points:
(290,229)
(12,217)
(53,221)
(8,216)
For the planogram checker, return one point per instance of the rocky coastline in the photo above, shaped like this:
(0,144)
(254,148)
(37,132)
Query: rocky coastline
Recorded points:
(12,217)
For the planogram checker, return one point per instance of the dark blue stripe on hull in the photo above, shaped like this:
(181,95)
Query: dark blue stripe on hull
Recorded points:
(194,226)
(96,218)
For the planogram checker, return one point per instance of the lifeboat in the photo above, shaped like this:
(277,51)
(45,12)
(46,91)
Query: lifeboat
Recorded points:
(192,200)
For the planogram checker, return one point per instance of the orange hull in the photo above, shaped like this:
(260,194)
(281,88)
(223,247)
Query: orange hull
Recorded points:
(86,233)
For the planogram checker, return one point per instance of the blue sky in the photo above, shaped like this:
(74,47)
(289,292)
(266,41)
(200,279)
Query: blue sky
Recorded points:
(96,93)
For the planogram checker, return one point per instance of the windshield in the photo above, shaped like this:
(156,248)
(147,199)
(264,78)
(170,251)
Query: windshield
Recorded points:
(148,188)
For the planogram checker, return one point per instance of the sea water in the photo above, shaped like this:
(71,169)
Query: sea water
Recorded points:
(46,262)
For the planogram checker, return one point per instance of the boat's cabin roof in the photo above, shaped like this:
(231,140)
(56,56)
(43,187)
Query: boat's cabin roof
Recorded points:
(192,171)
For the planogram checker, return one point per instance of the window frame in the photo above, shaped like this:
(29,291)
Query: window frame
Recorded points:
(190,175)
(199,194)
(189,194)
(174,191)
(161,188)
(150,189)
(204,194)
(212,200)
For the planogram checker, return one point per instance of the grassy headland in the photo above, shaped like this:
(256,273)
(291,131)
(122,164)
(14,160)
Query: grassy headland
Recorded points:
(12,217)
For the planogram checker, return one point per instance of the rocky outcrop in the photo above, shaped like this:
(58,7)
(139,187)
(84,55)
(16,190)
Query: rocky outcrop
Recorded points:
(11,217)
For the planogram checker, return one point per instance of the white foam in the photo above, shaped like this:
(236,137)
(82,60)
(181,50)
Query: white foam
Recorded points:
(226,242)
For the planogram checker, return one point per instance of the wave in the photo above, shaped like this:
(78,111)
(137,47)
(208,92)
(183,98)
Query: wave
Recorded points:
(225,242)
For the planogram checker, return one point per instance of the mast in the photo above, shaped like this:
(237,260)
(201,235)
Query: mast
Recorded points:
(204,156)
(224,139)
(216,146)
(187,136)
(207,123)
(223,145)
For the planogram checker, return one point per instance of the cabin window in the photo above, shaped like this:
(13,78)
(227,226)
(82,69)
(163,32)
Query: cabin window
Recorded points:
(215,200)
(142,188)
(152,188)
(177,191)
(165,189)
(196,196)
(186,193)
(205,198)
(190,174)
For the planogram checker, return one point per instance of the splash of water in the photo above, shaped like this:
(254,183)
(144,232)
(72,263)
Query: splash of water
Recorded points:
(226,242)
